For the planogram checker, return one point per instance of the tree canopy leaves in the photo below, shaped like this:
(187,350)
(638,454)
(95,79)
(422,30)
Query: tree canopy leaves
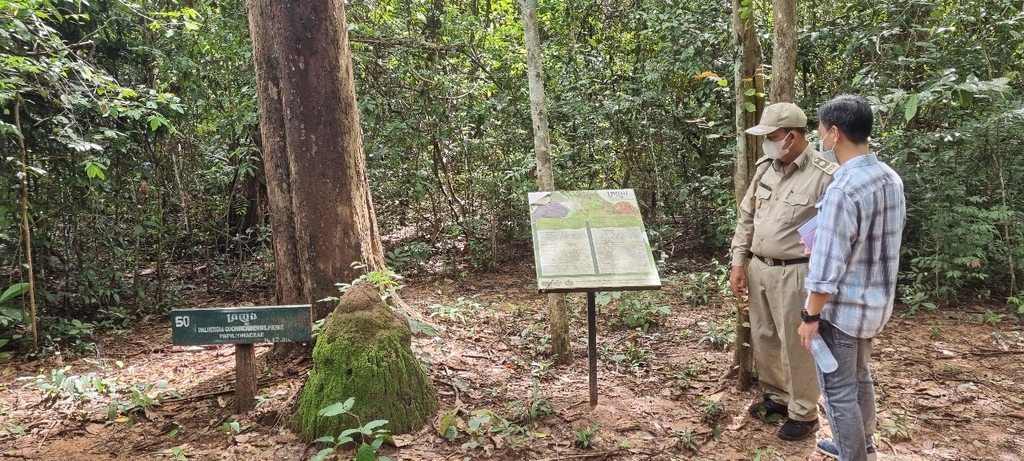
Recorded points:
(141,128)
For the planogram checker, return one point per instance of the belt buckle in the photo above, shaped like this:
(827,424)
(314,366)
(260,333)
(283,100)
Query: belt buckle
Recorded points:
(769,261)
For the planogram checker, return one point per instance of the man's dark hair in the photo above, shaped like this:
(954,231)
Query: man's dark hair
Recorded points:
(802,130)
(851,114)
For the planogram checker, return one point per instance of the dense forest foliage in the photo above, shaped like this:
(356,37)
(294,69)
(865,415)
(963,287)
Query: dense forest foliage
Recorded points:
(132,158)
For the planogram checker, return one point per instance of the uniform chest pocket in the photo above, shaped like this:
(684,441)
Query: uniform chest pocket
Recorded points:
(797,207)
(762,201)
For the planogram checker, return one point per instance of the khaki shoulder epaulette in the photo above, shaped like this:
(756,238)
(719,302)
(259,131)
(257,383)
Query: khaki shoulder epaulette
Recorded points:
(764,158)
(824,165)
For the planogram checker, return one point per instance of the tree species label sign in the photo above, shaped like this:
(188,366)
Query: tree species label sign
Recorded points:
(587,240)
(241,325)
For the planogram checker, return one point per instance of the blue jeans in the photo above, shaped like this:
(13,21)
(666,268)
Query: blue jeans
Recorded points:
(849,393)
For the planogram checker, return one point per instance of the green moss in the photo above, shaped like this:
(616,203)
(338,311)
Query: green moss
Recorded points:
(365,352)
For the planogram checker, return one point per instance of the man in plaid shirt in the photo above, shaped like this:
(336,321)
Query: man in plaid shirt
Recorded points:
(851,281)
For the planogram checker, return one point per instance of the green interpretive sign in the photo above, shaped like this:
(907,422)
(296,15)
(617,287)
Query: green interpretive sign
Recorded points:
(590,240)
(241,325)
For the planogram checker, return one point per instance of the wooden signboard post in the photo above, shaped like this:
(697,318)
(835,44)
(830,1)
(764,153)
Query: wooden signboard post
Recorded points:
(589,241)
(243,327)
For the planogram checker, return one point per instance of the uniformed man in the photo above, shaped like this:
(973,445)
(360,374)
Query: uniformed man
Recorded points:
(769,266)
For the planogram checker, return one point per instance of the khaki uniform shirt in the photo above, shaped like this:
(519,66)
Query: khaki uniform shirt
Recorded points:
(779,200)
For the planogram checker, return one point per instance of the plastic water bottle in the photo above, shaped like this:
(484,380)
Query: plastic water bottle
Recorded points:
(822,355)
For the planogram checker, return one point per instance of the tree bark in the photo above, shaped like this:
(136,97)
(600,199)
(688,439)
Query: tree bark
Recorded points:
(32,317)
(317,190)
(749,78)
(749,81)
(784,47)
(538,108)
(561,350)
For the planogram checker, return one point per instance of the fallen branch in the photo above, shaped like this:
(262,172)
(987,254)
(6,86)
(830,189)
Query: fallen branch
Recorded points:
(46,433)
(891,447)
(230,390)
(199,397)
(581,456)
(993,352)
(472,356)
(979,353)
(958,419)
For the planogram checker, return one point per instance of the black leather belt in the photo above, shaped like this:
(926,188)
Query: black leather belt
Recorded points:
(781,262)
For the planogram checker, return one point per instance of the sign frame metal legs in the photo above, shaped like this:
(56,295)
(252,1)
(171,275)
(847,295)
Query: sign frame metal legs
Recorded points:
(592,345)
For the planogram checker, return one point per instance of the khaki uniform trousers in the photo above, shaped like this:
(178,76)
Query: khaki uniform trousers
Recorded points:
(785,368)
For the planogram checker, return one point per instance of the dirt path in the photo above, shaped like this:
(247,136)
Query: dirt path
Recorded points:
(949,388)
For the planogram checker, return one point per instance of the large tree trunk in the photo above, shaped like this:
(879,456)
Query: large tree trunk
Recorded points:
(749,104)
(319,198)
(561,350)
(784,48)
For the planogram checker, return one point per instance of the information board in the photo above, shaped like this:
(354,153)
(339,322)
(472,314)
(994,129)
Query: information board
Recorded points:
(590,240)
(241,325)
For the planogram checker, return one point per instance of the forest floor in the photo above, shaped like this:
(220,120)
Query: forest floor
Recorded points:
(950,386)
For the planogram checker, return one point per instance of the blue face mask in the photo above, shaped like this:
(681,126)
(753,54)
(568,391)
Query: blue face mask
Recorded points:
(830,154)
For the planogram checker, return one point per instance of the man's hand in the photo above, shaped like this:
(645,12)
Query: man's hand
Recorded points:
(815,304)
(807,251)
(807,331)
(738,281)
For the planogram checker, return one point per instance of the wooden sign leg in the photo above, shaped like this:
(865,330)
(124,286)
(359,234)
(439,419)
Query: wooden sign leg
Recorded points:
(592,345)
(245,378)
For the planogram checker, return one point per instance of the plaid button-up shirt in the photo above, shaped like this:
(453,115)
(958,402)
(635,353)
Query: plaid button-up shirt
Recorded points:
(855,256)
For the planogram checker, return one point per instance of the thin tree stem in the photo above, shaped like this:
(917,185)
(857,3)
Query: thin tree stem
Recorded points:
(24,223)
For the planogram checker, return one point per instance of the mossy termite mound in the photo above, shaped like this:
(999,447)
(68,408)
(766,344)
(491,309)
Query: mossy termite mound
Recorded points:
(364,351)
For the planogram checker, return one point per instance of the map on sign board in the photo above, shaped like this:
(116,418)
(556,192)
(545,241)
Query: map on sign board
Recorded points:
(587,240)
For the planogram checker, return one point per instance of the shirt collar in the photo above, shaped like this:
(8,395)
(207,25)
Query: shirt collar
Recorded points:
(857,162)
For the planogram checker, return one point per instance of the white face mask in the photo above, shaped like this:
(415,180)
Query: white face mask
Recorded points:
(773,149)
(830,154)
